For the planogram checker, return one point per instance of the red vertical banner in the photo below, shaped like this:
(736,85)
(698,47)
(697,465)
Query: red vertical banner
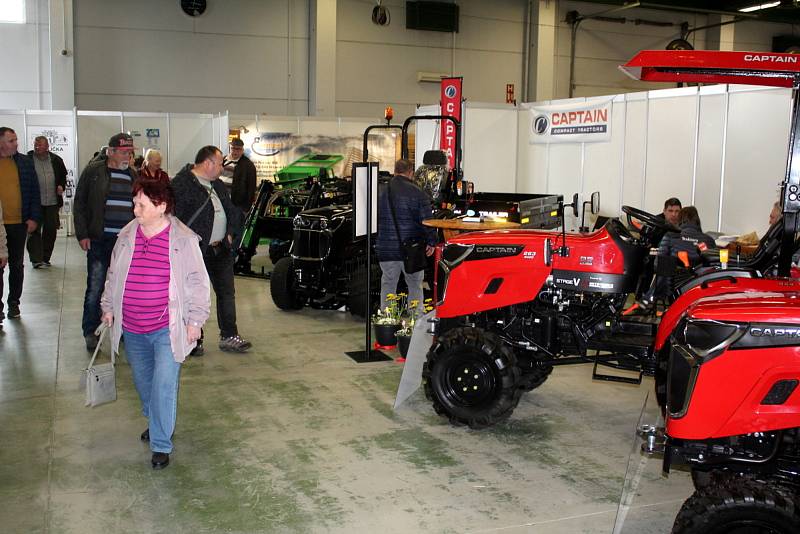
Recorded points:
(451,105)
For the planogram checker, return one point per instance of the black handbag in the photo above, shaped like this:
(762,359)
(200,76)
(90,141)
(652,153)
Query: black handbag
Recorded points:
(414,257)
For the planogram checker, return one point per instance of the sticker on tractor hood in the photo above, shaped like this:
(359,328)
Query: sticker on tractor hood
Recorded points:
(580,281)
(485,252)
(761,335)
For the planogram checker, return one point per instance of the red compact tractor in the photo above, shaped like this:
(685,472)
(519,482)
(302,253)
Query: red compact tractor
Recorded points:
(514,304)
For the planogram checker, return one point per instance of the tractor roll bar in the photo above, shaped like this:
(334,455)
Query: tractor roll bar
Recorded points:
(365,150)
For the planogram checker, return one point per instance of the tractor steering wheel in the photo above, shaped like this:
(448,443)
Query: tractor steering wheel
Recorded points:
(653,227)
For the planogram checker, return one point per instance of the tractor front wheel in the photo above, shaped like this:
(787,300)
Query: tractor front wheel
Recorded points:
(281,286)
(472,377)
(739,507)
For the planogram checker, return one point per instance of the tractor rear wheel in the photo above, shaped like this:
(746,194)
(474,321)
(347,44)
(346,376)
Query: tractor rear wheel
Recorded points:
(281,286)
(472,377)
(739,507)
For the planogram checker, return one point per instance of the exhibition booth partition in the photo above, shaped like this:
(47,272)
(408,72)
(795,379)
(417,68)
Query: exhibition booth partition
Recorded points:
(721,148)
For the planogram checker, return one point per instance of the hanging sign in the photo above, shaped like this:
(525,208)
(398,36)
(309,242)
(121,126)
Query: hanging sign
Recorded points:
(583,122)
(451,105)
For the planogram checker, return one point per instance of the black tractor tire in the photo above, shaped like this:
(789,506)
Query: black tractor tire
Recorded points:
(740,506)
(278,249)
(281,286)
(533,378)
(702,480)
(357,292)
(472,378)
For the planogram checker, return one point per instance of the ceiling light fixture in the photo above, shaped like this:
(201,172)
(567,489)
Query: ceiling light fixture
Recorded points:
(759,7)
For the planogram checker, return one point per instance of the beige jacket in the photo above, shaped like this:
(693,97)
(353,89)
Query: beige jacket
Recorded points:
(3,243)
(189,288)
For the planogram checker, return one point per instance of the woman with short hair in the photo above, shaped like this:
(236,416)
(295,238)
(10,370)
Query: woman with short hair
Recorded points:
(157,293)
(151,168)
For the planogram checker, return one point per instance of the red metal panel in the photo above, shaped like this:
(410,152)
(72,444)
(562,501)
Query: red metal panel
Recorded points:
(705,66)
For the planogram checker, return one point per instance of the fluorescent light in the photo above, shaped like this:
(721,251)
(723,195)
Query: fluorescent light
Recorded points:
(759,7)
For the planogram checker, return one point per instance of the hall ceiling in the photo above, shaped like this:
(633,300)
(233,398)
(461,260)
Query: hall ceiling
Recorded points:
(787,12)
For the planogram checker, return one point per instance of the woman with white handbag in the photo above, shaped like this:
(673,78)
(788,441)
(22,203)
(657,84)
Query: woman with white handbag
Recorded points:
(157,293)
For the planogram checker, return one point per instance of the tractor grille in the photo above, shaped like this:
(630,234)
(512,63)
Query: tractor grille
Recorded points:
(442,272)
(311,244)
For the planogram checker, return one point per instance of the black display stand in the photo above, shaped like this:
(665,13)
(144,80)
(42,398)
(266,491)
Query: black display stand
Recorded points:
(362,203)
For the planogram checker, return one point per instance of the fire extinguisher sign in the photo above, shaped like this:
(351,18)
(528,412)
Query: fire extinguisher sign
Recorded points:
(451,105)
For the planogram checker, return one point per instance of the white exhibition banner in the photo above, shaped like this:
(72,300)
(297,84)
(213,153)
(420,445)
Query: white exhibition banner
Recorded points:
(62,144)
(582,122)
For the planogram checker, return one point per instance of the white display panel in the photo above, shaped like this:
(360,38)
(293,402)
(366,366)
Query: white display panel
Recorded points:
(188,133)
(710,143)
(490,148)
(633,165)
(365,176)
(670,151)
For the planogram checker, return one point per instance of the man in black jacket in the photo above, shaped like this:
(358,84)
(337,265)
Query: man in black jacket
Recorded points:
(411,207)
(103,206)
(52,174)
(243,176)
(202,202)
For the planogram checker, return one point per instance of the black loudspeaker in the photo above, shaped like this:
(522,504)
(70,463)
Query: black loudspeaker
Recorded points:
(788,44)
(432,16)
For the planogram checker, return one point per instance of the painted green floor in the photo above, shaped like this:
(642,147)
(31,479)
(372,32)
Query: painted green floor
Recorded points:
(295,437)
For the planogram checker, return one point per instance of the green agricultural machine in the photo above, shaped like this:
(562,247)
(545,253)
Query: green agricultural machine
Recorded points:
(306,183)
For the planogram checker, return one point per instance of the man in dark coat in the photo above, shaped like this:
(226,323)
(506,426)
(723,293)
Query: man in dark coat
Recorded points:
(202,202)
(52,175)
(243,176)
(19,196)
(103,206)
(411,207)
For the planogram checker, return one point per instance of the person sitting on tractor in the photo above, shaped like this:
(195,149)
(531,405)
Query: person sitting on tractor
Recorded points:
(691,241)
(672,211)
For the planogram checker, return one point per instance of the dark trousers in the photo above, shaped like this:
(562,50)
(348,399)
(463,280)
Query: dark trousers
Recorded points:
(15,236)
(98,258)
(219,264)
(42,241)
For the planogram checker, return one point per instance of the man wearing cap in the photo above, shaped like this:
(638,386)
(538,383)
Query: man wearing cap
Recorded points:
(103,206)
(19,196)
(239,174)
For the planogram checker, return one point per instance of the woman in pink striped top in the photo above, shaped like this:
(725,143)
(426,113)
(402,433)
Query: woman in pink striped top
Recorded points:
(158,289)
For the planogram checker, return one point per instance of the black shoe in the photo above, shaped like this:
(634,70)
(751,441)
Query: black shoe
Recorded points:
(13,311)
(198,350)
(160,460)
(47,263)
(145,435)
(91,342)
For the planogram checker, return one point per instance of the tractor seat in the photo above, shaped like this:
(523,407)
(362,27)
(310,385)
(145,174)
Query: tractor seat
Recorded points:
(432,175)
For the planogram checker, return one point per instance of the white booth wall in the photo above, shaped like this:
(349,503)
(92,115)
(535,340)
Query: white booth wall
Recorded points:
(721,148)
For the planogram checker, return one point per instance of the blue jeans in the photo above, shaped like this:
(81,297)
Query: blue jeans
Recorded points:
(98,257)
(391,275)
(155,375)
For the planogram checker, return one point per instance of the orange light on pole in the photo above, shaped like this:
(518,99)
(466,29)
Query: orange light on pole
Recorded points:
(388,114)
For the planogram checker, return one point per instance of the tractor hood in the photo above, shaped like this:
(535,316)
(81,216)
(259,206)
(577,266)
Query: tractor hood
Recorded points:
(756,307)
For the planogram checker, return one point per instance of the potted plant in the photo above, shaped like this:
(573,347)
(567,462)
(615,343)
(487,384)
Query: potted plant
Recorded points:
(386,322)
(409,317)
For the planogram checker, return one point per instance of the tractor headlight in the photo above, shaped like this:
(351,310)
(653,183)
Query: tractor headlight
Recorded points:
(299,222)
(323,224)
(707,339)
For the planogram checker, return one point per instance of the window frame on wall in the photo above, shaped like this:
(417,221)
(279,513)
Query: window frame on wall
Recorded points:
(12,8)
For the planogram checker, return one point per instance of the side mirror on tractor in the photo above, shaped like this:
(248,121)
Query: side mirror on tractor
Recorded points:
(594,208)
(595,203)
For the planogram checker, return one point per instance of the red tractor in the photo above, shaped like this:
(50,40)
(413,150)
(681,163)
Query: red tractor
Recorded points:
(514,304)
(729,361)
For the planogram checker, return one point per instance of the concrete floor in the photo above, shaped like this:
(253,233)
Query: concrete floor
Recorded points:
(296,437)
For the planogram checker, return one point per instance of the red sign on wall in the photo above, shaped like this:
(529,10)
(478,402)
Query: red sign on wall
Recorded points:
(451,105)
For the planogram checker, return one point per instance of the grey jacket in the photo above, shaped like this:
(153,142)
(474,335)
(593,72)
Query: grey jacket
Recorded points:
(189,288)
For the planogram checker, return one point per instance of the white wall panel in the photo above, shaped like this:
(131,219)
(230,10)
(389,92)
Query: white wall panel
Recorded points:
(94,132)
(188,133)
(755,157)
(636,130)
(711,138)
(490,148)
(602,169)
(670,150)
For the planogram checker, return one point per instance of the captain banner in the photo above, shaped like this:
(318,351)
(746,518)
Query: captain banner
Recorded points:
(584,122)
